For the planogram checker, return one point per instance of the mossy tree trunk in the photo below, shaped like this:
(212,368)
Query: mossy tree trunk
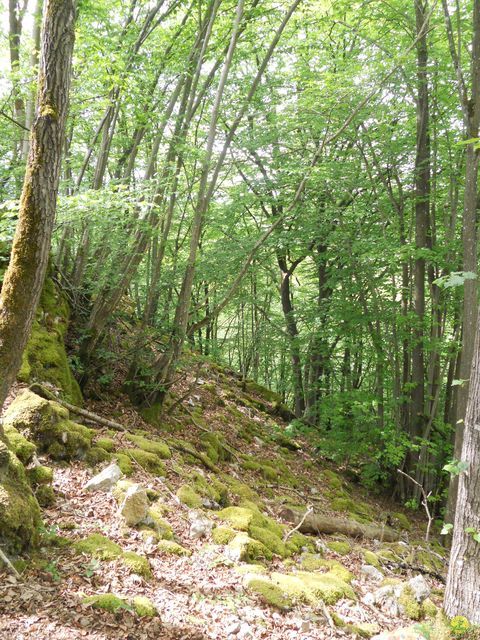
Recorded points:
(29,258)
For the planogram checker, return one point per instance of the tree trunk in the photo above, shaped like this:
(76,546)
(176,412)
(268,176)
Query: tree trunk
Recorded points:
(28,263)
(462,594)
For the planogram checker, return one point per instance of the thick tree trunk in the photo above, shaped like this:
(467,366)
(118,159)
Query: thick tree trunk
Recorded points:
(462,595)
(28,263)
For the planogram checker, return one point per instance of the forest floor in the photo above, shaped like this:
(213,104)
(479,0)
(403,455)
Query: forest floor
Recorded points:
(209,592)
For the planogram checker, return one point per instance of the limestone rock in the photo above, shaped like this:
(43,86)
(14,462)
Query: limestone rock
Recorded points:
(386,598)
(200,527)
(420,587)
(135,505)
(372,572)
(104,480)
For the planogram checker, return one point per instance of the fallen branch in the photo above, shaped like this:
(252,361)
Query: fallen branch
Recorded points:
(8,563)
(306,514)
(404,565)
(41,391)
(314,523)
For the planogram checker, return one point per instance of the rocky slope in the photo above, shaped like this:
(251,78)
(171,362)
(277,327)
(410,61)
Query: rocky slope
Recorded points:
(181,535)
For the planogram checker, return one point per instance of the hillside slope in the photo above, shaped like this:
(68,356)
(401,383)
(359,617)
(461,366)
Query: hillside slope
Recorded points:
(190,541)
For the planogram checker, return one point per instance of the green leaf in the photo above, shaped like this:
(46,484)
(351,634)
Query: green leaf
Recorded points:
(446,529)
(454,279)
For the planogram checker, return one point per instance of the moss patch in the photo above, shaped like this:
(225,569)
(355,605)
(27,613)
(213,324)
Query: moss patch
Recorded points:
(160,449)
(106,443)
(239,518)
(148,461)
(21,447)
(172,548)
(40,475)
(356,509)
(45,358)
(340,547)
(411,608)
(223,535)
(268,592)
(246,549)
(107,601)
(187,495)
(96,455)
(99,546)
(137,564)
(160,526)
(144,607)
(124,463)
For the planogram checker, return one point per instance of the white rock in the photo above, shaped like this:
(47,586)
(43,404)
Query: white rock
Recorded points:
(104,480)
(372,572)
(245,632)
(233,629)
(134,507)
(420,587)
(386,598)
(200,526)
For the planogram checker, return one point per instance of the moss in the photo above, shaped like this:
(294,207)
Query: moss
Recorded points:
(137,564)
(300,542)
(270,540)
(266,470)
(153,414)
(402,521)
(45,495)
(19,510)
(362,629)
(120,489)
(148,461)
(332,478)
(187,495)
(429,608)
(47,424)
(45,358)
(371,558)
(340,547)
(106,601)
(311,562)
(356,509)
(263,392)
(106,443)
(240,489)
(124,463)
(411,608)
(160,449)
(209,488)
(173,548)
(223,535)
(214,445)
(161,526)
(99,546)
(268,593)
(239,518)
(426,559)
(245,569)
(21,447)
(246,549)
(40,475)
(144,607)
(312,588)
(95,455)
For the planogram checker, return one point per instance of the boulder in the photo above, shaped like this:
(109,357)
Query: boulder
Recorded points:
(105,480)
(420,588)
(135,505)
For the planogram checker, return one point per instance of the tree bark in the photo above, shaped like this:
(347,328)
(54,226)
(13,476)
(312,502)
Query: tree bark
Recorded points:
(29,258)
(462,594)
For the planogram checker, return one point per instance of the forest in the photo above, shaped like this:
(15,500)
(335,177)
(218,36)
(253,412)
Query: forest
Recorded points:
(239,331)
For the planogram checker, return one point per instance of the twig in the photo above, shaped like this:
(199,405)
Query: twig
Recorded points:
(6,560)
(305,516)
(425,497)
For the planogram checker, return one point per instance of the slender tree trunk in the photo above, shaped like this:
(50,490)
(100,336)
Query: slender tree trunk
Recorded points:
(462,594)
(28,263)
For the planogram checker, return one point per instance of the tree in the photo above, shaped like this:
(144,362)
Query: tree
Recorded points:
(462,594)
(25,274)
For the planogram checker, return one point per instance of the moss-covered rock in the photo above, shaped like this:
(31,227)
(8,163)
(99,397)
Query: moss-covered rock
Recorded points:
(107,601)
(99,547)
(401,521)
(96,455)
(410,607)
(158,523)
(45,358)
(371,558)
(246,549)
(311,562)
(144,607)
(160,449)
(239,518)
(188,496)
(341,547)
(48,424)
(137,564)
(173,548)
(40,474)
(223,535)
(108,444)
(269,539)
(268,592)
(148,461)
(21,447)
(332,479)
(45,495)
(215,447)
(20,517)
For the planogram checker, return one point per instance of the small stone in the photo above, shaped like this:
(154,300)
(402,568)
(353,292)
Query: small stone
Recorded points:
(233,629)
(200,527)
(304,626)
(104,480)
(372,572)
(420,587)
(135,505)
